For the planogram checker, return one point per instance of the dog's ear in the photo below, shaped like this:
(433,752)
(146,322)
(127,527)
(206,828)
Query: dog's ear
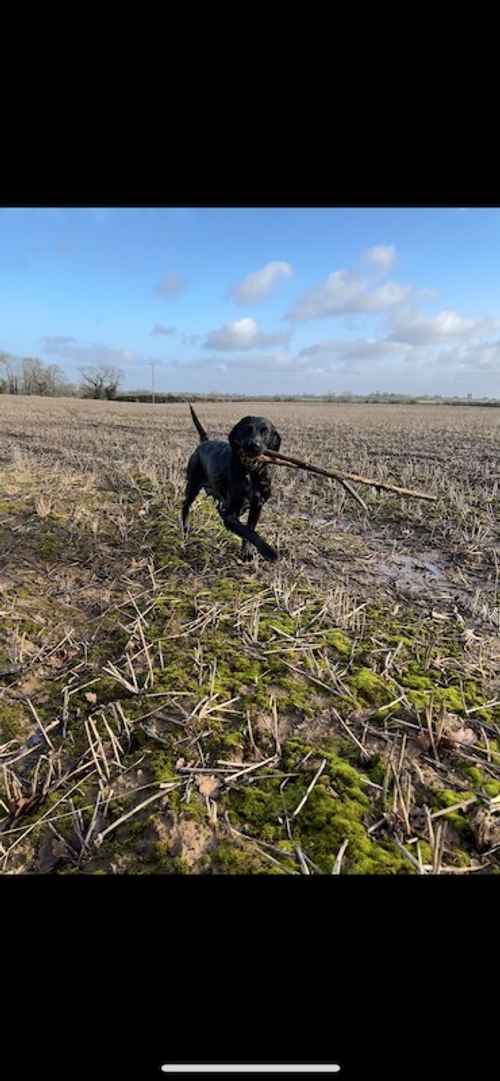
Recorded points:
(240,430)
(233,434)
(275,440)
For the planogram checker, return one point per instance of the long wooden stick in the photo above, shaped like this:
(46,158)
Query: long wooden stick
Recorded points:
(282,459)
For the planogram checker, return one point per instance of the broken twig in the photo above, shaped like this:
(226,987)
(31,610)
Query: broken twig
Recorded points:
(281,459)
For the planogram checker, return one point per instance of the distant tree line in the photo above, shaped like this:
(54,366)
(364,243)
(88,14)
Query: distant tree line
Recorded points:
(29,375)
(339,399)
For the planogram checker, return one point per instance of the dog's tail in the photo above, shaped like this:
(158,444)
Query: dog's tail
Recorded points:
(201,431)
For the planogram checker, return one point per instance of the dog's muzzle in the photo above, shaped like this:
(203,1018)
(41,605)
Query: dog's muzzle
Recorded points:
(253,462)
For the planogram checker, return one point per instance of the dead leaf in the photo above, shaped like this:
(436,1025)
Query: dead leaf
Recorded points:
(462,735)
(208,785)
(486,828)
(454,733)
(180,763)
(91,697)
(22,805)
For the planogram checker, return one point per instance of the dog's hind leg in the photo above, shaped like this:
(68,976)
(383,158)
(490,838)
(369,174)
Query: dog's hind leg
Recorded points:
(193,489)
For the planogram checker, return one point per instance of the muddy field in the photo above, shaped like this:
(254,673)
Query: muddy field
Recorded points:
(169,709)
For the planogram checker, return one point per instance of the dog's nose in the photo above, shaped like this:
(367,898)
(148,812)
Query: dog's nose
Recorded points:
(253,445)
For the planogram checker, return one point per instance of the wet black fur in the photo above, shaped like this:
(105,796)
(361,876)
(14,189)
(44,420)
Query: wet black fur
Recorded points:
(229,472)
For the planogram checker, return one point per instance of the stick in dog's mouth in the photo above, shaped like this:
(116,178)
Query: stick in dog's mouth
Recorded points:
(273,458)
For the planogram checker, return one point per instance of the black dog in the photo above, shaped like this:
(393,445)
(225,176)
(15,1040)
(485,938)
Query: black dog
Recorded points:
(231,474)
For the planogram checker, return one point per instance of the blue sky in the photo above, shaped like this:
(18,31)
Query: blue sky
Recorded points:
(258,300)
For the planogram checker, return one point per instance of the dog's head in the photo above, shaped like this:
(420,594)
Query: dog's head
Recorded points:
(253,435)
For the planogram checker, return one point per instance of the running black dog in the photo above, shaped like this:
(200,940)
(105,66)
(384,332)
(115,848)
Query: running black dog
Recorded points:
(231,473)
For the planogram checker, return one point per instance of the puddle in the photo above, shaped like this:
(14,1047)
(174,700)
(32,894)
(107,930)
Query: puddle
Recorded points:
(416,569)
(420,573)
(337,523)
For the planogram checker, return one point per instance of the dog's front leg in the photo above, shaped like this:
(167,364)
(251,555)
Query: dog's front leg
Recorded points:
(256,504)
(229,515)
(261,492)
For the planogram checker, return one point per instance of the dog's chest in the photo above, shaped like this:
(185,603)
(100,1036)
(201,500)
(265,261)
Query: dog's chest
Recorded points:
(259,479)
(255,468)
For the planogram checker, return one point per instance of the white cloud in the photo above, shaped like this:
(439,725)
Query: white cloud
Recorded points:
(415,329)
(242,334)
(321,359)
(345,292)
(171,285)
(480,357)
(280,361)
(366,350)
(381,256)
(258,285)
(69,349)
(159,328)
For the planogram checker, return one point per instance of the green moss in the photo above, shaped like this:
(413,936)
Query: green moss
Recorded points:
(425,851)
(271,625)
(418,699)
(162,767)
(340,807)
(339,641)
(446,797)
(482,780)
(231,859)
(13,722)
(162,862)
(419,683)
(473,773)
(231,741)
(451,698)
(377,770)
(459,858)
(334,811)
(398,639)
(371,687)
(226,589)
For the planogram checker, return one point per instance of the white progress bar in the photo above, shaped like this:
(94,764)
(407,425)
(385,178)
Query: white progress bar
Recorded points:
(260,1067)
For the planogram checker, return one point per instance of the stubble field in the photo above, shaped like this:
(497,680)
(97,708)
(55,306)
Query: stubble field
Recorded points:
(165,708)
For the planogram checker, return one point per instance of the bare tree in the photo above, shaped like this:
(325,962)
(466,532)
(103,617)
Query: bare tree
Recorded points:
(39,378)
(101,381)
(3,373)
(55,380)
(10,378)
(31,376)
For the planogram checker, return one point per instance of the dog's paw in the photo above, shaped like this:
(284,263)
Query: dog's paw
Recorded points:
(270,554)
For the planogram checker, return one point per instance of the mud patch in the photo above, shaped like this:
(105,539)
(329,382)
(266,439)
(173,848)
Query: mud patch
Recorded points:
(414,575)
(371,560)
(189,841)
